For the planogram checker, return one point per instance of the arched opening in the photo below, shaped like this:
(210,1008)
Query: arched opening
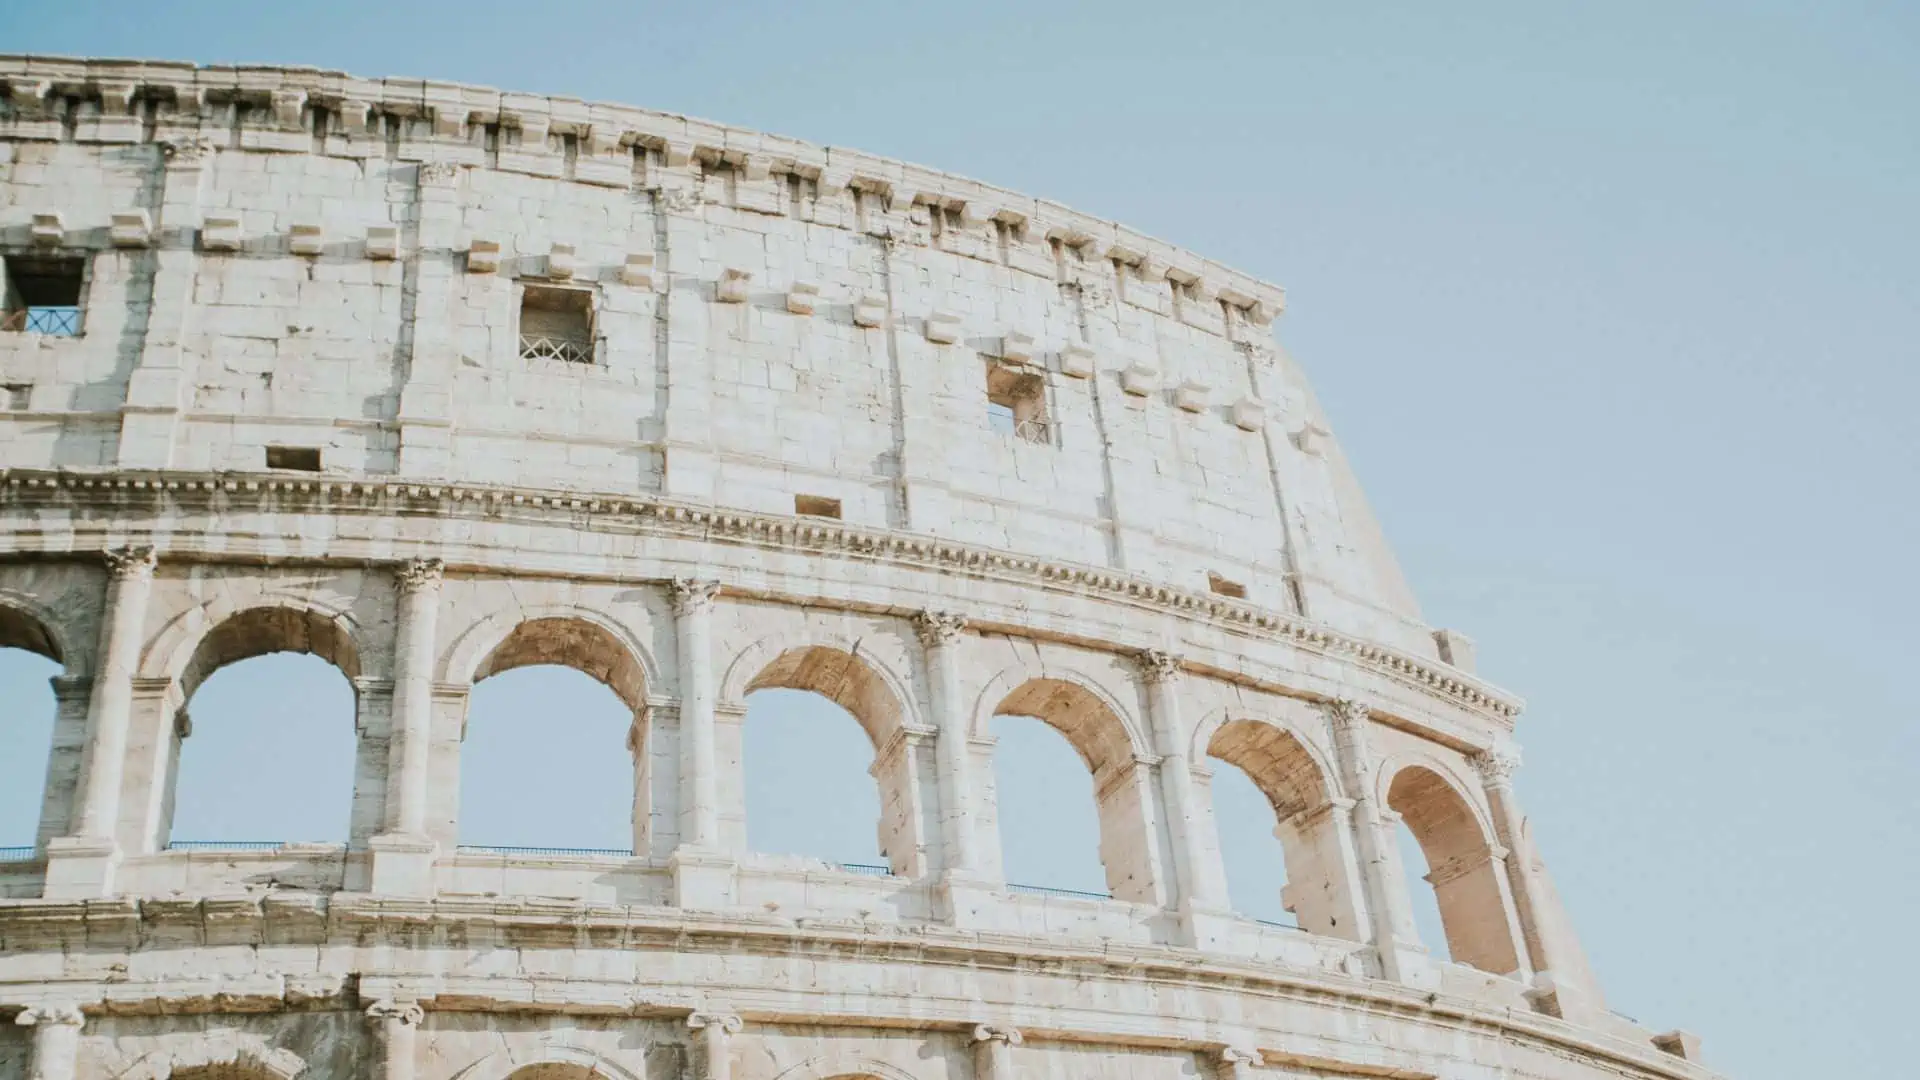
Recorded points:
(555,753)
(1119,796)
(29,661)
(1465,879)
(1039,777)
(802,763)
(556,1070)
(266,733)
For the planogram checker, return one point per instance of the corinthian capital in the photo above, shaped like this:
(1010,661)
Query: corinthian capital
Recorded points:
(128,563)
(938,627)
(1346,713)
(417,574)
(1158,666)
(51,1016)
(690,595)
(1497,765)
(406,1012)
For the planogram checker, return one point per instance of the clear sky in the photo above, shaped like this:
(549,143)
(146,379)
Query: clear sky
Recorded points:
(1616,308)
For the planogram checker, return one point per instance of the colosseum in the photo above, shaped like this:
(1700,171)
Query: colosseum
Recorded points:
(435,382)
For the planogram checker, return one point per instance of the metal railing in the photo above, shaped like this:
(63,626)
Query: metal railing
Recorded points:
(18,854)
(1278,925)
(544,347)
(1049,890)
(225,845)
(867,869)
(503,849)
(52,321)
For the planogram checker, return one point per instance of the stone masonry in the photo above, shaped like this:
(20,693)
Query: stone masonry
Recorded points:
(435,382)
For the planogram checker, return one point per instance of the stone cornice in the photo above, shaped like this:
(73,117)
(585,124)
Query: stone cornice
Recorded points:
(652,515)
(671,148)
(305,918)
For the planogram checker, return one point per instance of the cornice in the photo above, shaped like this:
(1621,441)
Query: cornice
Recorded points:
(609,137)
(656,516)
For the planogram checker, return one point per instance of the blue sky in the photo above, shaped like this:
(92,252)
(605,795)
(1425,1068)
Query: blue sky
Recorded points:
(1613,307)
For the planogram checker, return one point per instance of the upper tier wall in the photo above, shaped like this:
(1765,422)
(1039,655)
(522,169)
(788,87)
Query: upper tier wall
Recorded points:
(290,257)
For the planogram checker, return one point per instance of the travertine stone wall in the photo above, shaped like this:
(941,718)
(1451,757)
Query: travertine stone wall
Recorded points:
(306,261)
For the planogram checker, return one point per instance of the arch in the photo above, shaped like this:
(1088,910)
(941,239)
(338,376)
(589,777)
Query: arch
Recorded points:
(1321,888)
(1467,878)
(573,642)
(25,624)
(478,644)
(833,666)
(1096,727)
(1084,692)
(219,1053)
(564,1059)
(185,648)
(839,1065)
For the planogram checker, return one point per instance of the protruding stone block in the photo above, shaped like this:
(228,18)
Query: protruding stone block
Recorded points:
(1455,648)
(131,229)
(483,256)
(306,240)
(802,297)
(1311,438)
(1140,378)
(1681,1044)
(560,262)
(943,327)
(383,242)
(1076,360)
(49,229)
(1016,347)
(220,232)
(1192,396)
(402,865)
(637,271)
(870,310)
(732,288)
(1249,414)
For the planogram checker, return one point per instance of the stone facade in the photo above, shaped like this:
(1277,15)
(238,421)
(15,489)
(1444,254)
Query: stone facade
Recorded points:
(435,382)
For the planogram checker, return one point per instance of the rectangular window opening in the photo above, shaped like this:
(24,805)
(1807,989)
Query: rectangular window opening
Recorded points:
(816,506)
(43,295)
(16,395)
(1017,404)
(1226,587)
(556,323)
(301,458)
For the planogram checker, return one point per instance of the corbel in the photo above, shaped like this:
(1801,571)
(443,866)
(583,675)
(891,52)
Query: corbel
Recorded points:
(289,107)
(870,310)
(1016,347)
(483,256)
(943,327)
(1140,378)
(560,262)
(49,229)
(306,239)
(732,287)
(802,297)
(220,232)
(1311,438)
(115,97)
(637,271)
(1076,360)
(1192,396)
(131,229)
(383,242)
(1249,414)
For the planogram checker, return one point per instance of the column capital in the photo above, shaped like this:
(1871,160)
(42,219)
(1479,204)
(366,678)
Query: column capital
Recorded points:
(129,563)
(692,595)
(408,1013)
(1346,713)
(1497,765)
(1158,665)
(1240,1055)
(939,627)
(51,1016)
(723,1021)
(996,1033)
(415,575)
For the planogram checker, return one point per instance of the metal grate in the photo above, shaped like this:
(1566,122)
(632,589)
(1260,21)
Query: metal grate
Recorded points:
(543,347)
(1034,431)
(17,854)
(867,869)
(496,849)
(1048,890)
(225,845)
(52,321)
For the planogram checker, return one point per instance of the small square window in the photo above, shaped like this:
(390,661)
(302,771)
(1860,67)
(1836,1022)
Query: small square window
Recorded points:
(1226,587)
(17,396)
(43,295)
(302,458)
(1017,404)
(556,324)
(816,506)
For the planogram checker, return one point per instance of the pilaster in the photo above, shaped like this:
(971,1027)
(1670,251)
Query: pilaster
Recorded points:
(56,1040)
(426,398)
(714,1030)
(1199,880)
(403,855)
(159,386)
(1389,910)
(398,1023)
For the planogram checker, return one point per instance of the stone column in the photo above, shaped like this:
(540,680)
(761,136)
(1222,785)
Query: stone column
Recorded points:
(403,854)
(1559,967)
(993,1051)
(703,873)
(939,633)
(713,1029)
(56,1040)
(398,1021)
(1199,892)
(1389,912)
(82,864)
